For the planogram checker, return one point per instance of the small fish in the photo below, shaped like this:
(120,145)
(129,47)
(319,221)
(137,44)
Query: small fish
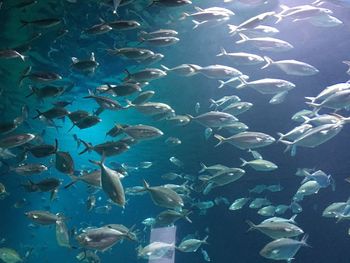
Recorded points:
(176,161)
(208,132)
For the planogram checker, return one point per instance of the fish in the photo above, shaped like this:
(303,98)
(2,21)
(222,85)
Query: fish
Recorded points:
(176,161)
(214,119)
(291,67)
(86,65)
(283,248)
(44,217)
(29,169)
(266,43)
(239,203)
(62,234)
(147,74)
(191,245)
(314,137)
(111,183)
(43,23)
(217,71)
(267,86)
(10,54)
(142,132)
(99,239)
(124,24)
(13,141)
(155,250)
(169,217)
(246,140)
(276,229)
(64,162)
(260,165)
(164,197)
(9,255)
(143,97)
(43,150)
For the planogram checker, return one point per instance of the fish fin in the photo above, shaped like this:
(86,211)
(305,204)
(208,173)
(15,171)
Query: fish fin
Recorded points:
(243,84)
(24,74)
(71,128)
(72,182)
(204,167)
(251,225)
(74,60)
(292,219)
(222,52)
(244,162)
(281,135)
(220,138)
(290,147)
(304,240)
(127,74)
(23,23)
(197,23)
(269,62)
(243,39)
(184,15)
(165,68)
(205,240)
(233,29)
(212,103)
(222,84)
(145,184)
(39,114)
(88,147)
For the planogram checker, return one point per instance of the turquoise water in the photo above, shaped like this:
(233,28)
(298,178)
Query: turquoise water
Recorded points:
(323,47)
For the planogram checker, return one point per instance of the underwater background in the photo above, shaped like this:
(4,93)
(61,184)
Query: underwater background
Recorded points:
(229,241)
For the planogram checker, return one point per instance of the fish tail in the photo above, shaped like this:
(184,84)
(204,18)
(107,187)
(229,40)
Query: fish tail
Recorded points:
(205,240)
(269,62)
(222,52)
(184,15)
(346,62)
(32,89)
(74,180)
(233,29)
(220,138)
(243,84)
(165,68)
(88,147)
(251,225)
(244,162)
(281,135)
(127,74)
(243,39)
(145,184)
(279,18)
(24,23)
(24,75)
(204,168)
(39,114)
(141,40)
(222,84)
(304,240)
(212,103)
(196,24)
(71,128)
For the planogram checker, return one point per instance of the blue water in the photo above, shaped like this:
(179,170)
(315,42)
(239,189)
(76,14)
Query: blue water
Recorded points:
(323,48)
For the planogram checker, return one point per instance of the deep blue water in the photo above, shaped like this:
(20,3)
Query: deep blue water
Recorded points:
(324,48)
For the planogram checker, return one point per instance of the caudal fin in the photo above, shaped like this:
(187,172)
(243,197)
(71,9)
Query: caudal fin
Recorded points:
(269,62)
(244,162)
(222,52)
(220,138)
(243,39)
